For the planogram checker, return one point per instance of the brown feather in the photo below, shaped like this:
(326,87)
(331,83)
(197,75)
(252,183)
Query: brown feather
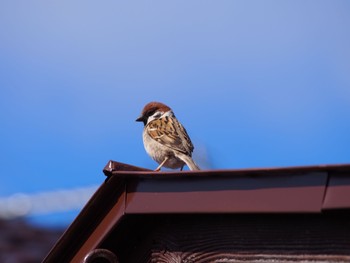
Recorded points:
(169,132)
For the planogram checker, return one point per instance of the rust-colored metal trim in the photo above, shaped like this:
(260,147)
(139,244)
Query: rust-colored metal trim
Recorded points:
(337,195)
(134,190)
(121,170)
(299,193)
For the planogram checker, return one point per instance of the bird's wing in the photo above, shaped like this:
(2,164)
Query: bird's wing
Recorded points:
(169,132)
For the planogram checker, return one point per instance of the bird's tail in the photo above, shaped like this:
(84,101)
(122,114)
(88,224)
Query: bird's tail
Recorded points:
(189,162)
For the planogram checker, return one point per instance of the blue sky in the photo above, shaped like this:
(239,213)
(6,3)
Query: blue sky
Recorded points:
(255,83)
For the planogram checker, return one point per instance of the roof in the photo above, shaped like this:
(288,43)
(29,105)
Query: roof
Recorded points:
(130,190)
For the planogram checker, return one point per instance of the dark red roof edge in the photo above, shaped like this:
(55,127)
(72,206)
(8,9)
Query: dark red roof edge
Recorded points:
(120,169)
(102,212)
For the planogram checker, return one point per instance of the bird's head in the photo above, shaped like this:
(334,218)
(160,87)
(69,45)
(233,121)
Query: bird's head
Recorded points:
(153,110)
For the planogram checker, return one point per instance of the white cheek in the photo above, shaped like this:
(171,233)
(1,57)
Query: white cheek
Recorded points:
(150,118)
(155,116)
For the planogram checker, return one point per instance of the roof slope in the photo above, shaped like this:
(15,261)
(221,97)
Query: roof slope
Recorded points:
(131,190)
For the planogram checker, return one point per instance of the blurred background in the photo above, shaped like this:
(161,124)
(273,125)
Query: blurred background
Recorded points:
(255,83)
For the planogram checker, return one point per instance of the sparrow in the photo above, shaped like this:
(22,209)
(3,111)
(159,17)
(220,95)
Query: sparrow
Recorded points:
(165,139)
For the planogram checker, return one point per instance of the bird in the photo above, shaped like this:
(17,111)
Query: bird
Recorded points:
(165,139)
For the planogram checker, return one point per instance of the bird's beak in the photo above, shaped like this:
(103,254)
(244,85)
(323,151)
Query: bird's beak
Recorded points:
(141,118)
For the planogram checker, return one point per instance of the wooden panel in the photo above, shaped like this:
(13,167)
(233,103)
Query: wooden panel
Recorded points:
(232,238)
